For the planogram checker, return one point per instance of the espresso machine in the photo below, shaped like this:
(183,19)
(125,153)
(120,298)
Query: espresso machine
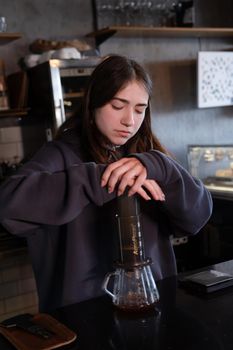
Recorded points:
(133,285)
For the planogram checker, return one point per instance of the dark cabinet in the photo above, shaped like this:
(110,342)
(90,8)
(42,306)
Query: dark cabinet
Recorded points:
(214,243)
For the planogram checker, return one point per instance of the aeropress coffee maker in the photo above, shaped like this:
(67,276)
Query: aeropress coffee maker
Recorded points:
(133,287)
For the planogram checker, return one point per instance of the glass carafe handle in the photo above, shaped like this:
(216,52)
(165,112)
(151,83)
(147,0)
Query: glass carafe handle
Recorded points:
(106,282)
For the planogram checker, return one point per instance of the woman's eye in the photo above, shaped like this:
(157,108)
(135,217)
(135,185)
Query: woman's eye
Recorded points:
(138,111)
(117,107)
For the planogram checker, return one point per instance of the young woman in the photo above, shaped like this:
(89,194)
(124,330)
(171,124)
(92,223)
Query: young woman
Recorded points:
(64,199)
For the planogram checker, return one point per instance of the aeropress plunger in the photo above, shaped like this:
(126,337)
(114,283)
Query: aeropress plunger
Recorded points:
(134,288)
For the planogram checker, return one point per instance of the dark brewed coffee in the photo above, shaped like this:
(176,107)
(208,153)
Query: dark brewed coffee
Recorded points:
(139,308)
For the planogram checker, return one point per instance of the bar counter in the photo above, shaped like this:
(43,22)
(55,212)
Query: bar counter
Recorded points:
(180,321)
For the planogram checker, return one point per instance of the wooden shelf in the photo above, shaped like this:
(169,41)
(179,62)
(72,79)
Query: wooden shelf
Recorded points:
(195,32)
(6,38)
(73,94)
(13,113)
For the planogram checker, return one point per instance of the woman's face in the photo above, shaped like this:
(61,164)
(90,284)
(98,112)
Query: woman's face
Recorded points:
(120,118)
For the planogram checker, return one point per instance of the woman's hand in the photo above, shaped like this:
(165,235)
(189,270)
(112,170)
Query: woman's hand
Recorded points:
(130,172)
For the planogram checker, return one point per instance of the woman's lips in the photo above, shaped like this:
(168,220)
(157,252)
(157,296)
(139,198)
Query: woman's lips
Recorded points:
(123,133)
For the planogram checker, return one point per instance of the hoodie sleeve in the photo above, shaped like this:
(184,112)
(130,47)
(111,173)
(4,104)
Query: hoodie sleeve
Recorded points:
(188,203)
(51,189)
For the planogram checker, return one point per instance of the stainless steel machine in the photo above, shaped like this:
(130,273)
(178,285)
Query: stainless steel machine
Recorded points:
(55,89)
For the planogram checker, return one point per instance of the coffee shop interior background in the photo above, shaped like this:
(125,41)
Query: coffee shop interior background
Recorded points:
(171,60)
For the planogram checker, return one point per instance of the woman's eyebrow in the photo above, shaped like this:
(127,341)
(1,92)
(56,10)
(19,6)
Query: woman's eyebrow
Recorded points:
(126,101)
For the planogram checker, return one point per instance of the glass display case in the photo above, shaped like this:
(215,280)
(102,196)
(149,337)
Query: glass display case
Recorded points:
(213,164)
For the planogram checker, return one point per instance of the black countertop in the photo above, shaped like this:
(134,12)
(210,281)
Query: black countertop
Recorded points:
(181,321)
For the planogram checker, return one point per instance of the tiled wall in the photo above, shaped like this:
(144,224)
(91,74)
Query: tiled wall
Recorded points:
(17,284)
(17,287)
(11,145)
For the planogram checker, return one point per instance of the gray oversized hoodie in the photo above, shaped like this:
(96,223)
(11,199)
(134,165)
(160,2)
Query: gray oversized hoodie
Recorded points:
(55,200)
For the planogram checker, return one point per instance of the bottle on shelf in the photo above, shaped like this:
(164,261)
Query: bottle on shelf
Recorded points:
(4,102)
(184,13)
(3,24)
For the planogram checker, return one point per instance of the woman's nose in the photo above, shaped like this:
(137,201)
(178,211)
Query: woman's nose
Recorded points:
(128,118)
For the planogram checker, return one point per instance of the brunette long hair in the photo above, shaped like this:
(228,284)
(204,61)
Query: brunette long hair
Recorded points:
(109,77)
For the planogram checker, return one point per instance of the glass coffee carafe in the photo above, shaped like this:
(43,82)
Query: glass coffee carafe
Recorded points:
(132,284)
